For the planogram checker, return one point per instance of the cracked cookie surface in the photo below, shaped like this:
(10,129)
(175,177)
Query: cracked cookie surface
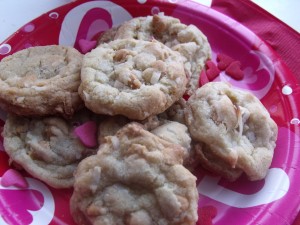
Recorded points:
(235,127)
(46,147)
(135,178)
(188,40)
(40,81)
(133,78)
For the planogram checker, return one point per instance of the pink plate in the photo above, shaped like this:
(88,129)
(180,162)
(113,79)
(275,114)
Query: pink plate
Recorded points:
(274,200)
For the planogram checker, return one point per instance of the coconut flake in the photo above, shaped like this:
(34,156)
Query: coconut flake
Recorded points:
(20,99)
(178,80)
(118,84)
(243,115)
(86,95)
(240,121)
(155,77)
(115,142)
(96,174)
(37,88)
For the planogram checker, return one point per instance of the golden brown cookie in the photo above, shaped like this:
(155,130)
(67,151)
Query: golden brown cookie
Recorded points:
(133,78)
(135,178)
(46,147)
(40,81)
(176,133)
(206,158)
(235,126)
(188,40)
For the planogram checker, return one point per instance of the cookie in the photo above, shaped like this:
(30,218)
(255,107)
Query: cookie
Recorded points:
(188,40)
(40,81)
(235,126)
(135,178)
(176,112)
(110,126)
(171,131)
(46,147)
(108,35)
(176,133)
(133,78)
(211,162)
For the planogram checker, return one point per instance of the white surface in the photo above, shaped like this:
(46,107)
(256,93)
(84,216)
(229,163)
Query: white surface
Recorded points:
(286,10)
(15,13)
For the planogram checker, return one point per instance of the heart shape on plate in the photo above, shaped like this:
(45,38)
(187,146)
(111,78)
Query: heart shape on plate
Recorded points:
(206,214)
(87,133)
(16,204)
(86,45)
(224,61)
(212,70)
(234,70)
(12,177)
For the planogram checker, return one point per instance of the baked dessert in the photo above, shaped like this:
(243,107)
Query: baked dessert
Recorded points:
(188,40)
(135,178)
(235,127)
(46,147)
(40,81)
(133,78)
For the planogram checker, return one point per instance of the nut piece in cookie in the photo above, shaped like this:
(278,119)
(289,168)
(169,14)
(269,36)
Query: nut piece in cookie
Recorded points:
(40,81)
(188,40)
(133,78)
(46,147)
(135,178)
(235,127)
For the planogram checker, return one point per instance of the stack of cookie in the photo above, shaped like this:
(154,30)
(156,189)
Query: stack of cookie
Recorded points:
(138,71)
(149,139)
